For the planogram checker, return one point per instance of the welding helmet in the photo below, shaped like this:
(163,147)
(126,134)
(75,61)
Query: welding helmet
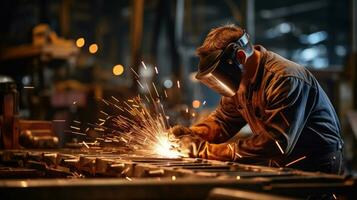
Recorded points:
(221,70)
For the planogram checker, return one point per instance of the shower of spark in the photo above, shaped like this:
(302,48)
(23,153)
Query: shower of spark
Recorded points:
(139,124)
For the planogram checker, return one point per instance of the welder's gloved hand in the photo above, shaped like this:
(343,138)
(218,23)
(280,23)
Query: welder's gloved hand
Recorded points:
(190,144)
(179,131)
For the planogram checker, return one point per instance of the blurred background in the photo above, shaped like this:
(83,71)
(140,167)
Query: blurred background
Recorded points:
(65,56)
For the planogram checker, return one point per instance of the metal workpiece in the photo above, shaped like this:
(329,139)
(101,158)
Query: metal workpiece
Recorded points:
(78,174)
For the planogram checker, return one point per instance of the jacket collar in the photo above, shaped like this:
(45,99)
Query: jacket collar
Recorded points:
(255,81)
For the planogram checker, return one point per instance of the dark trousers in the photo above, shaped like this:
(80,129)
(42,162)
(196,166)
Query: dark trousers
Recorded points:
(331,163)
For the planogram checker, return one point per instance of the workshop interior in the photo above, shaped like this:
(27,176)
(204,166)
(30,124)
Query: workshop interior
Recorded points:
(75,75)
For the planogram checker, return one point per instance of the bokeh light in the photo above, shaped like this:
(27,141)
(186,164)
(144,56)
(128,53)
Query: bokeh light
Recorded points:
(196,104)
(118,70)
(80,42)
(93,48)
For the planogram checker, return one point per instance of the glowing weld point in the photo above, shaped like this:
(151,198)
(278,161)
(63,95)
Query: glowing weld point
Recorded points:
(295,161)
(238,177)
(178,84)
(277,144)
(85,144)
(163,147)
(142,62)
(173,178)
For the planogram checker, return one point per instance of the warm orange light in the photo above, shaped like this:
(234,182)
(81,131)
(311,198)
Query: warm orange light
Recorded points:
(196,104)
(80,42)
(118,70)
(93,48)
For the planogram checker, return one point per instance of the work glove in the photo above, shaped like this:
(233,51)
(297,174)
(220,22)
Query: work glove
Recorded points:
(179,131)
(194,146)
(189,143)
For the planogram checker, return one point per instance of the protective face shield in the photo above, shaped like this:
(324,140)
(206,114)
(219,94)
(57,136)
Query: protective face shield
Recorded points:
(221,71)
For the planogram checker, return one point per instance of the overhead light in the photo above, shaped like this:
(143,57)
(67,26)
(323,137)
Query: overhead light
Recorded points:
(93,48)
(118,70)
(80,42)
(196,104)
(168,83)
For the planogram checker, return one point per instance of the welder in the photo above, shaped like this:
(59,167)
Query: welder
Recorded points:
(292,120)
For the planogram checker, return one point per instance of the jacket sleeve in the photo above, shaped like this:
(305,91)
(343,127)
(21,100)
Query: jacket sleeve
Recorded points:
(221,124)
(289,102)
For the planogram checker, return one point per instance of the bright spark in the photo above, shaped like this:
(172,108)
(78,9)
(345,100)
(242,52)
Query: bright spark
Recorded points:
(277,144)
(142,62)
(165,147)
(165,93)
(140,126)
(77,133)
(136,74)
(237,154)
(144,131)
(74,127)
(295,161)
(140,84)
(85,144)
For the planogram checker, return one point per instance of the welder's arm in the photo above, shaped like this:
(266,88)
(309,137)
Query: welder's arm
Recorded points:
(222,124)
(289,104)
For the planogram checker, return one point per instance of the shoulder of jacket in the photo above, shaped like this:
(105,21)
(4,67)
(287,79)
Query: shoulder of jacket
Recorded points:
(282,68)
